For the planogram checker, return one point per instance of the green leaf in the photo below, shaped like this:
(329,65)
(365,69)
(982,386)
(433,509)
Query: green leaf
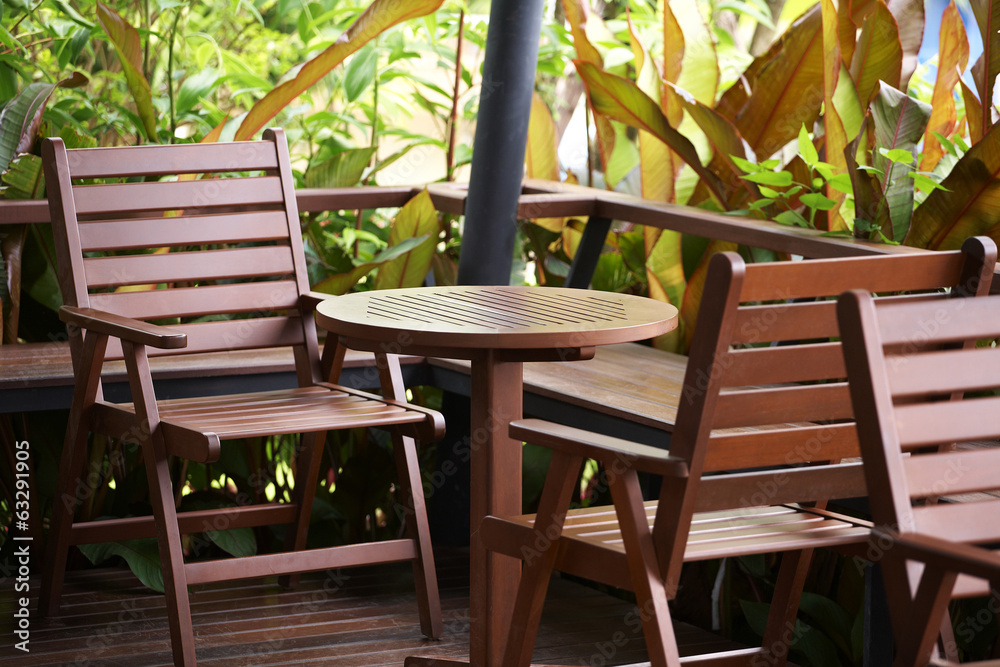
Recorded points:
(842,183)
(779,179)
(897,155)
(376,19)
(966,205)
(948,145)
(806,147)
(360,72)
(239,542)
(20,120)
(343,282)
(747,166)
(142,556)
(417,219)
(924,182)
(343,170)
(77,44)
(8,83)
(817,201)
(38,274)
(747,9)
(792,218)
(69,12)
(129,48)
(23,180)
(194,88)
(900,122)
(620,99)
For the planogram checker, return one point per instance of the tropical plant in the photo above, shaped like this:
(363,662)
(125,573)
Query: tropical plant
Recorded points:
(171,72)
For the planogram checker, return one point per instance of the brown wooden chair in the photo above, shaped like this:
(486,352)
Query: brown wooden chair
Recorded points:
(918,383)
(226,249)
(764,387)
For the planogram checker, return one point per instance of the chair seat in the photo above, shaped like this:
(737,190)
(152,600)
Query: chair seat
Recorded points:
(300,410)
(591,540)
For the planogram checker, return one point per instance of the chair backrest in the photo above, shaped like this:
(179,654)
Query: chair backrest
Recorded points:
(766,386)
(205,237)
(921,382)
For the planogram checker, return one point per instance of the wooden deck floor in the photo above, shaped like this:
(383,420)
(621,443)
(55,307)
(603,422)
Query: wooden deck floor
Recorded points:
(364,616)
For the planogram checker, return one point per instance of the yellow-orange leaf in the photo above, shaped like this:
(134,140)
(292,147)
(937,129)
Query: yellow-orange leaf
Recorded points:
(836,138)
(953,57)
(541,159)
(376,19)
(878,56)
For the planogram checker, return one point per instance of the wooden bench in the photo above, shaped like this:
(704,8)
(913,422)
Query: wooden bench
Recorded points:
(39,376)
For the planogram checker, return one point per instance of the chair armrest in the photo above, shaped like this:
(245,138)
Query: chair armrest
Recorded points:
(944,554)
(609,451)
(310,300)
(126,328)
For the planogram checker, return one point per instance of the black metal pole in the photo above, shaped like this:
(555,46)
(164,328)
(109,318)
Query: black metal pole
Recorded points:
(501,134)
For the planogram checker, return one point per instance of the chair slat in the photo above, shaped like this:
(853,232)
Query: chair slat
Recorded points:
(829,277)
(179,159)
(776,365)
(910,324)
(782,446)
(188,266)
(202,194)
(922,424)
(943,372)
(785,321)
(970,521)
(198,301)
(186,230)
(806,403)
(775,487)
(230,335)
(952,472)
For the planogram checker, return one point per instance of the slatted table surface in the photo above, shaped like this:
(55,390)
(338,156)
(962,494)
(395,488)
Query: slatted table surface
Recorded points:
(366,616)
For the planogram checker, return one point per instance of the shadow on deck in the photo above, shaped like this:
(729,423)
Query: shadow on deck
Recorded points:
(363,616)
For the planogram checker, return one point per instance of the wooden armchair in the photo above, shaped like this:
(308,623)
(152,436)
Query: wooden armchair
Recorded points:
(920,385)
(764,418)
(225,249)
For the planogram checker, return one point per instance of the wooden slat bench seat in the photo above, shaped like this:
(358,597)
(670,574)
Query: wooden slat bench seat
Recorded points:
(639,403)
(39,376)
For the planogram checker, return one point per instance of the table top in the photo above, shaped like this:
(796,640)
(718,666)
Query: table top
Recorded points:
(496,317)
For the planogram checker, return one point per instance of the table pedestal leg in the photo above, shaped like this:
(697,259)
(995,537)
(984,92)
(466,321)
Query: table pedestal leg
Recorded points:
(496,489)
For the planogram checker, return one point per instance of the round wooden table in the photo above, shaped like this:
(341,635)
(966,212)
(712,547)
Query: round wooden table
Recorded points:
(497,328)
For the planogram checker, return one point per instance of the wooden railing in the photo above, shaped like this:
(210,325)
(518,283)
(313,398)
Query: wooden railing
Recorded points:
(547,199)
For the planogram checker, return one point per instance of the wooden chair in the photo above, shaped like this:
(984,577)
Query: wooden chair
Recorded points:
(226,250)
(917,382)
(764,387)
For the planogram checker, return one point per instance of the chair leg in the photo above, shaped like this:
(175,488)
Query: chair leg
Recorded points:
(560,480)
(74,457)
(85,391)
(946,643)
(923,622)
(307,472)
(408,467)
(780,629)
(418,530)
(168,537)
(647,580)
